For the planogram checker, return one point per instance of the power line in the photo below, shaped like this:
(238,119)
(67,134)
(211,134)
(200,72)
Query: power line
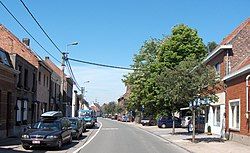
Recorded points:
(102,65)
(40,26)
(72,75)
(27,31)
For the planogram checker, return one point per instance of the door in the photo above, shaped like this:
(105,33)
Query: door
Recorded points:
(8,118)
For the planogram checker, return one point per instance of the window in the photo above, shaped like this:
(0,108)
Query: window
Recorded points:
(44,79)
(47,81)
(19,84)
(18,112)
(217,69)
(234,114)
(25,110)
(26,78)
(34,82)
(39,77)
(216,117)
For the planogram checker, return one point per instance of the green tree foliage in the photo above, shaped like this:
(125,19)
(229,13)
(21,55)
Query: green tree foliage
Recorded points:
(169,73)
(211,46)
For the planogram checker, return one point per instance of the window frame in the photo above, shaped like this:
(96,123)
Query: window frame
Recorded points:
(234,102)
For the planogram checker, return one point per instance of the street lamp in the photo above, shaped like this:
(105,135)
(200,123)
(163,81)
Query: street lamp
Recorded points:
(64,58)
(83,92)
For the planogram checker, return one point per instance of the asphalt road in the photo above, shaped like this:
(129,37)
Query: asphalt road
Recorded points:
(117,137)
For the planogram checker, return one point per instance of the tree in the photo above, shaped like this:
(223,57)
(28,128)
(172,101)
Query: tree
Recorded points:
(211,46)
(142,80)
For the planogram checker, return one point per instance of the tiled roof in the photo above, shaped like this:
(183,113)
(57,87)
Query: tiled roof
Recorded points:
(233,34)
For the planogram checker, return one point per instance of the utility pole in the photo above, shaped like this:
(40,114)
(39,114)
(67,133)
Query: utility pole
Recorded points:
(64,58)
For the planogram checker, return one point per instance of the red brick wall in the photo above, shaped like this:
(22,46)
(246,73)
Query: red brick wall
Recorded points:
(236,89)
(12,44)
(241,47)
(7,84)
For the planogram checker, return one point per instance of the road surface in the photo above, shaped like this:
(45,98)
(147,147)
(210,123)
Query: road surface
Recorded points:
(117,137)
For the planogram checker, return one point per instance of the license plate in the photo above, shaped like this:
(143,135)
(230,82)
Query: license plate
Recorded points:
(36,142)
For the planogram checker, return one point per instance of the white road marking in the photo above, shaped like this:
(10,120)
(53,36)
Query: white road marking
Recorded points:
(107,129)
(76,151)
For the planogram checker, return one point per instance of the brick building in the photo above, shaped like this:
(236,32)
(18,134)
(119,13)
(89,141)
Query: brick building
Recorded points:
(25,91)
(231,60)
(13,45)
(43,87)
(55,86)
(7,95)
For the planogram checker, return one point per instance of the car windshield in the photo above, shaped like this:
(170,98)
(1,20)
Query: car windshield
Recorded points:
(85,114)
(47,125)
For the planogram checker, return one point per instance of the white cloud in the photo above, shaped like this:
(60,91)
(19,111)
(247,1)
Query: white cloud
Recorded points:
(105,83)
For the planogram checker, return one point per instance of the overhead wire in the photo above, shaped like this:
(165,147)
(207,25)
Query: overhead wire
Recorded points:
(101,65)
(72,74)
(33,17)
(12,15)
(46,34)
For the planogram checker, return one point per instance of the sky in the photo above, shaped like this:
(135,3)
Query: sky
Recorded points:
(112,31)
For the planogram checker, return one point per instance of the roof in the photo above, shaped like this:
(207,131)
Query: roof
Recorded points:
(226,42)
(53,66)
(242,71)
(235,32)
(216,51)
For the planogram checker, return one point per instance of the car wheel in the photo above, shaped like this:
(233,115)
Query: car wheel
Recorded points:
(59,144)
(163,125)
(26,147)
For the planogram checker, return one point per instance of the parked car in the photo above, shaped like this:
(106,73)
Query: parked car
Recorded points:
(167,122)
(77,127)
(52,130)
(185,120)
(148,121)
(119,117)
(125,118)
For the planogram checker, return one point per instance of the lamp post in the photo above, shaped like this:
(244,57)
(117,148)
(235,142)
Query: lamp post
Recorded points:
(83,92)
(64,58)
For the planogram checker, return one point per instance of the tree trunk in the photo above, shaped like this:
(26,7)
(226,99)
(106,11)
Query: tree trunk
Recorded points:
(193,118)
(173,130)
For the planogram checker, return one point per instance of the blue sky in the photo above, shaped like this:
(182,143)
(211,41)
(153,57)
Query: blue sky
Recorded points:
(112,31)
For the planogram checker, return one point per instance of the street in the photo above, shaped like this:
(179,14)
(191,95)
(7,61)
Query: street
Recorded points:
(119,137)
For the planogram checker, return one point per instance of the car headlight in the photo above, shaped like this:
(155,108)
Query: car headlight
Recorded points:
(25,136)
(52,137)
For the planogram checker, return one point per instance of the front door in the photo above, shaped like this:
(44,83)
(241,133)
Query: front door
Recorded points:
(8,118)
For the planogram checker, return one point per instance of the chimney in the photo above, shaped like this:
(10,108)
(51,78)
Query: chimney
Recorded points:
(46,58)
(26,41)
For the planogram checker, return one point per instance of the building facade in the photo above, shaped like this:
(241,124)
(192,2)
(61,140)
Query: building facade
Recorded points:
(55,86)
(229,114)
(43,87)
(7,95)
(25,92)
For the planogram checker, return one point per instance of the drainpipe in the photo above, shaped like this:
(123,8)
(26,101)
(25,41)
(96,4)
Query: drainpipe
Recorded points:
(247,95)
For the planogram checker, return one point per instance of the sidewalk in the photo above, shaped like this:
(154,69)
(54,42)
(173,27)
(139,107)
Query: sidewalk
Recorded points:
(205,143)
